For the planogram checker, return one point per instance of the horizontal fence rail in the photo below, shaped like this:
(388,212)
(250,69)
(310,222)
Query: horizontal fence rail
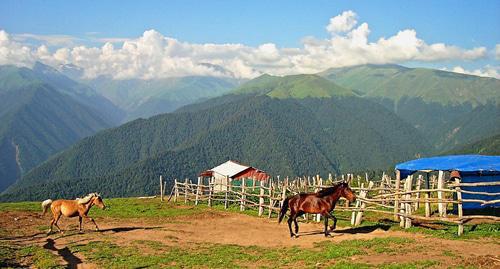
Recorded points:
(400,198)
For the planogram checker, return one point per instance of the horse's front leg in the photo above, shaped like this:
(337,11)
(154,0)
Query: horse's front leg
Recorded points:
(80,220)
(87,217)
(334,221)
(326,225)
(290,220)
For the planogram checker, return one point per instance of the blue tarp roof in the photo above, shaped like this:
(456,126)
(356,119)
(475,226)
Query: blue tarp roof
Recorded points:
(462,163)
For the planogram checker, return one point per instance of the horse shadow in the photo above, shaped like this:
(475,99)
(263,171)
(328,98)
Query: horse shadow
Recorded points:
(363,229)
(65,253)
(354,230)
(24,237)
(128,229)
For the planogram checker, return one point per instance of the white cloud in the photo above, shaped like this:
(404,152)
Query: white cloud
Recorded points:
(113,39)
(12,52)
(153,55)
(487,71)
(497,52)
(51,40)
(342,23)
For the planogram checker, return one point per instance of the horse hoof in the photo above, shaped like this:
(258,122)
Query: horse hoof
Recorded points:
(296,236)
(328,235)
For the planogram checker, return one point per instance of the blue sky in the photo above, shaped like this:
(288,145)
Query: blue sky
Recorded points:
(463,24)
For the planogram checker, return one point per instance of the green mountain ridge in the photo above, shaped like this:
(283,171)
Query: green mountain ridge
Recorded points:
(291,125)
(447,108)
(294,86)
(43,123)
(281,136)
(40,116)
(486,146)
(431,85)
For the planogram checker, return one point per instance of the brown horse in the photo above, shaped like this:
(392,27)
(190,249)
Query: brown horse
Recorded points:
(322,202)
(71,208)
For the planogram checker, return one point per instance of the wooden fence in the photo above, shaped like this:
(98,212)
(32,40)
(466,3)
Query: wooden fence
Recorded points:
(400,198)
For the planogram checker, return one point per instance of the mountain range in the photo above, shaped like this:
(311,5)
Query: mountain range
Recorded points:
(448,108)
(41,113)
(344,119)
(145,98)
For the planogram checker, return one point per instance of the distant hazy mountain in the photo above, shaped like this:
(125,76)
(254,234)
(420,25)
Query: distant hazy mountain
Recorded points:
(146,98)
(304,131)
(448,108)
(41,113)
(79,92)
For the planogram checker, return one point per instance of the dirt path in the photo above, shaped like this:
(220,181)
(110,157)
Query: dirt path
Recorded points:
(25,228)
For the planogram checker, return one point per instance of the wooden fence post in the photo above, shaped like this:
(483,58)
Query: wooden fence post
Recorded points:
(176,190)
(419,182)
(408,205)
(357,204)
(185,191)
(243,196)
(459,207)
(261,198)
(440,186)
(210,190)
(283,191)
(161,188)
(359,216)
(270,197)
(317,217)
(198,190)
(427,196)
(402,210)
(396,197)
(227,191)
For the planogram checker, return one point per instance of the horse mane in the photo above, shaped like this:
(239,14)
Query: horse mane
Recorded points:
(87,198)
(328,191)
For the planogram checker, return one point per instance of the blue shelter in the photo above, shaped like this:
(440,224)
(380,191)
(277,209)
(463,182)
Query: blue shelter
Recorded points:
(472,168)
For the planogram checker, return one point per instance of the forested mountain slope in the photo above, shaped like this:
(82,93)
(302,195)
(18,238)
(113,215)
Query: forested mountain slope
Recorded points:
(283,136)
(41,113)
(448,108)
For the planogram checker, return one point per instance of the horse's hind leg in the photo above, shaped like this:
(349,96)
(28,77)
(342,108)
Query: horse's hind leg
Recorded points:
(334,221)
(51,224)
(55,222)
(290,220)
(296,223)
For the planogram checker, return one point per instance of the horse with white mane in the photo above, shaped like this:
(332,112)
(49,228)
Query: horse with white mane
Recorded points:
(72,208)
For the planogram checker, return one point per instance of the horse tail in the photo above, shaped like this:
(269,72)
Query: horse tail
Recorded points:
(283,210)
(45,205)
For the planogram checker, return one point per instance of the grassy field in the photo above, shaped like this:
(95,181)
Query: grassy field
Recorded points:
(107,250)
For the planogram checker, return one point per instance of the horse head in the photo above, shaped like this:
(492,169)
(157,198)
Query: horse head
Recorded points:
(98,201)
(347,192)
